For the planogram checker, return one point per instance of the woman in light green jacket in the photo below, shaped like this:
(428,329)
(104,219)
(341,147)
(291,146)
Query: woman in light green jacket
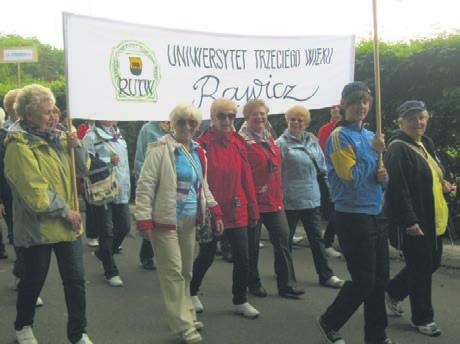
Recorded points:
(38,169)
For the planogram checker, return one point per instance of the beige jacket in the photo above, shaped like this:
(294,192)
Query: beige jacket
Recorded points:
(157,184)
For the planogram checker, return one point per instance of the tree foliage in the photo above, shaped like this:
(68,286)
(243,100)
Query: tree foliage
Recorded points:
(425,69)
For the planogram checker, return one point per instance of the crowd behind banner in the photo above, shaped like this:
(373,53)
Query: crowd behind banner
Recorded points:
(201,189)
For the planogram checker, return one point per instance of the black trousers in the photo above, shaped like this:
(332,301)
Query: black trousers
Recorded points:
(114,223)
(238,238)
(278,230)
(36,260)
(365,246)
(91,221)
(311,221)
(415,279)
(329,234)
(146,251)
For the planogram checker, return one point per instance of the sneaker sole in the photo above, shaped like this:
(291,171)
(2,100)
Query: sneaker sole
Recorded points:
(437,334)
(247,317)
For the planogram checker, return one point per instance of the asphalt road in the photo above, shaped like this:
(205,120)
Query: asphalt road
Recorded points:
(134,313)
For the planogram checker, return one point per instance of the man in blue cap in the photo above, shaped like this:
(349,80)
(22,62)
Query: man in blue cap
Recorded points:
(356,183)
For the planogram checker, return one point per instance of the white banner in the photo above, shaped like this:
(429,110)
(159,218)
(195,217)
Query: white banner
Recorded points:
(124,71)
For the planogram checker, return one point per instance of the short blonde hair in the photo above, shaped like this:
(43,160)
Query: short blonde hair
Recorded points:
(300,110)
(30,98)
(8,102)
(223,103)
(251,104)
(184,110)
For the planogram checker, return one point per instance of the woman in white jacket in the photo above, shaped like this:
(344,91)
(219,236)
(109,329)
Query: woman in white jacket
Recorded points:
(168,212)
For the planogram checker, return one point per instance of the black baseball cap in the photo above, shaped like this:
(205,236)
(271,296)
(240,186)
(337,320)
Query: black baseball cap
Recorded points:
(411,105)
(353,87)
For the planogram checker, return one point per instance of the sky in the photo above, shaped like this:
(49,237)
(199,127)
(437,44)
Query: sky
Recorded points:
(399,20)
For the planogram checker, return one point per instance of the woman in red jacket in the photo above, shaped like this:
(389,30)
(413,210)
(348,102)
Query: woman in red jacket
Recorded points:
(230,181)
(265,160)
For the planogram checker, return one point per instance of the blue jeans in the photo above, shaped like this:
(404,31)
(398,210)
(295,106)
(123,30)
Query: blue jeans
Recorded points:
(311,221)
(36,260)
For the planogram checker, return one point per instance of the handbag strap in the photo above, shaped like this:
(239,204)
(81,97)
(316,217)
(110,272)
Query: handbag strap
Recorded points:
(195,166)
(318,171)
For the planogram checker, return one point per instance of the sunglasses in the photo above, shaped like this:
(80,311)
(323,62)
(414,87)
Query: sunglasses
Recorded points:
(182,122)
(224,115)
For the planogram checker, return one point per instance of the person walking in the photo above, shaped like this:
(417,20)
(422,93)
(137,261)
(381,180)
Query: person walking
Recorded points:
(168,213)
(265,161)
(37,167)
(105,142)
(302,164)
(149,133)
(357,191)
(323,134)
(227,160)
(418,214)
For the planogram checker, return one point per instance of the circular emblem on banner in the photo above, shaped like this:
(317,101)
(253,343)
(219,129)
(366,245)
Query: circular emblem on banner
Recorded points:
(135,72)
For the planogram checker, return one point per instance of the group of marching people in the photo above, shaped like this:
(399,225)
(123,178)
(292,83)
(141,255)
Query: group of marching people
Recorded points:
(231,183)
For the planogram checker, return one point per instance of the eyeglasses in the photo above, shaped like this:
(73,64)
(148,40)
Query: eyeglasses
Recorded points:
(183,122)
(224,115)
(300,120)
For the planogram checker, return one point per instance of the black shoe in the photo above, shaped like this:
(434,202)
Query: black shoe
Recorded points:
(118,250)
(258,291)
(332,336)
(3,255)
(291,293)
(148,264)
(383,341)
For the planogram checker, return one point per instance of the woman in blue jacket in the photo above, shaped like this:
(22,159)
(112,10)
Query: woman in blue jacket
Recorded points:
(301,158)
(105,141)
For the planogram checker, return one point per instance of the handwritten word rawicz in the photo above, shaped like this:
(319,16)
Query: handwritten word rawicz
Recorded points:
(209,86)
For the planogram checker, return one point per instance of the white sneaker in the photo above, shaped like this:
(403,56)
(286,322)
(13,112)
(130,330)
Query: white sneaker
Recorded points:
(93,242)
(332,252)
(39,302)
(297,239)
(261,244)
(197,304)
(430,329)
(198,325)
(26,336)
(246,310)
(84,339)
(334,282)
(115,281)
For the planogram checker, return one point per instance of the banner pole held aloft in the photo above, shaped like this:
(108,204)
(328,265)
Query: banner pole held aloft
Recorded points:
(378,104)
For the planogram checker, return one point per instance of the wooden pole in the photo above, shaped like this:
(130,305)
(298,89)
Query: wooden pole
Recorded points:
(73,173)
(19,75)
(378,104)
